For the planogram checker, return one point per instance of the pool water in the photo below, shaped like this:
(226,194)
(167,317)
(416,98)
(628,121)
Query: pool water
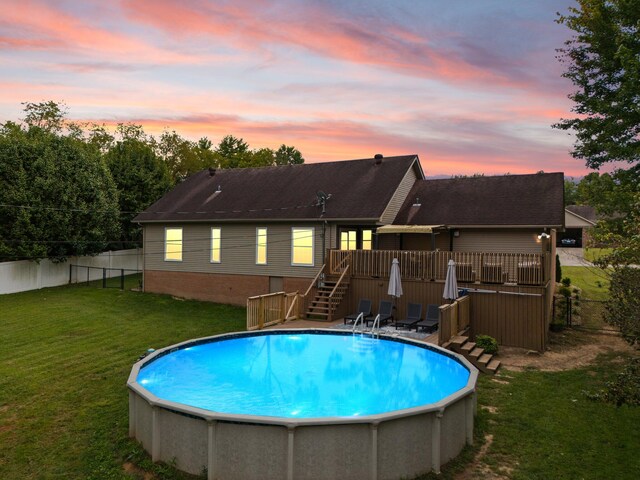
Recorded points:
(307,375)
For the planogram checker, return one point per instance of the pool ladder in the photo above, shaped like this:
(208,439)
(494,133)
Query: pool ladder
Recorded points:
(360,318)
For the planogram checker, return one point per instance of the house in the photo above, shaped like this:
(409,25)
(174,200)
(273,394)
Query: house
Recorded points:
(579,219)
(225,235)
(331,229)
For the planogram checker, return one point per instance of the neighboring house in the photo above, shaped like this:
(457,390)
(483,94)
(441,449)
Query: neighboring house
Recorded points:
(579,219)
(226,235)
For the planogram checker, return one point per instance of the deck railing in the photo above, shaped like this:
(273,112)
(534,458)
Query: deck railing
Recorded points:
(271,309)
(471,267)
(454,318)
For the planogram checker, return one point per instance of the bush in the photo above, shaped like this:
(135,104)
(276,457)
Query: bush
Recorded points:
(566,281)
(488,343)
(564,291)
(558,268)
(625,389)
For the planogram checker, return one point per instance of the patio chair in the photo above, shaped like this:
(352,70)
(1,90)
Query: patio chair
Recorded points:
(364,307)
(385,310)
(432,319)
(414,312)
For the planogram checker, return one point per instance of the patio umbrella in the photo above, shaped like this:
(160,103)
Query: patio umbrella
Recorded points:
(395,285)
(451,283)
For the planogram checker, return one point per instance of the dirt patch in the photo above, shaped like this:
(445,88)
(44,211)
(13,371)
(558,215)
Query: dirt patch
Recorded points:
(132,469)
(477,469)
(489,408)
(572,349)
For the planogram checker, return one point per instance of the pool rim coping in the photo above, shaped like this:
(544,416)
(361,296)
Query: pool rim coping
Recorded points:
(211,416)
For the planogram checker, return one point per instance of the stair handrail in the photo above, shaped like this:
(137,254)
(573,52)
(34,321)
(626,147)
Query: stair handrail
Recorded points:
(315,279)
(359,317)
(338,282)
(375,320)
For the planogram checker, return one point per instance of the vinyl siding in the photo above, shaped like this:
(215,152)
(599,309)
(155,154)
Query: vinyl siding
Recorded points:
(497,240)
(400,195)
(238,249)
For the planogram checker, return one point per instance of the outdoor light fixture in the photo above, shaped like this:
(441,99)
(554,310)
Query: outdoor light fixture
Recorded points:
(543,235)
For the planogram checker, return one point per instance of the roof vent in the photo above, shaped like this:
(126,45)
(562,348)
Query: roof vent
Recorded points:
(378,157)
(219,188)
(212,171)
(417,204)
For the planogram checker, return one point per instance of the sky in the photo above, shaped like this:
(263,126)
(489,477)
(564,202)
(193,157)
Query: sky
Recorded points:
(469,86)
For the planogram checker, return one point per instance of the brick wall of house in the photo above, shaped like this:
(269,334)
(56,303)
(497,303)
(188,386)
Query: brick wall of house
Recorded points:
(218,288)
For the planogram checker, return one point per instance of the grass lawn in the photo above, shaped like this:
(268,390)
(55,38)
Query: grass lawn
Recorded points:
(65,355)
(592,254)
(593,281)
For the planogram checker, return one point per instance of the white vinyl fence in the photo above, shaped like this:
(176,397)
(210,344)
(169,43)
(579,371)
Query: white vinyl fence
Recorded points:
(25,275)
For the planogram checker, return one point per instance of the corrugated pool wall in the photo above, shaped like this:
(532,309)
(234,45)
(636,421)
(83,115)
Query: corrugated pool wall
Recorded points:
(513,319)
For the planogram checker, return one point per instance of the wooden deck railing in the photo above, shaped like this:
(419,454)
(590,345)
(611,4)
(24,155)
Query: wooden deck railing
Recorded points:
(471,267)
(454,318)
(271,309)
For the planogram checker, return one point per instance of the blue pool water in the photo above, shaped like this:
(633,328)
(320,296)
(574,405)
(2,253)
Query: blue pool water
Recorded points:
(306,375)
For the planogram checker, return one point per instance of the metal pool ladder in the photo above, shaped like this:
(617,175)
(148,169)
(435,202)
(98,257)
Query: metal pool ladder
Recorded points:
(358,318)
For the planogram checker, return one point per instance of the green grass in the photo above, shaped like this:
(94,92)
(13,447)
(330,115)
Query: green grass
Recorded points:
(65,355)
(545,427)
(593,281)
(592,254)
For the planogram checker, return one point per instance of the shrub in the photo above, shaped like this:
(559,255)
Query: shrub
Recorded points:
(564,291)
(488,343)
(558,268)
(566,281)
(625,389)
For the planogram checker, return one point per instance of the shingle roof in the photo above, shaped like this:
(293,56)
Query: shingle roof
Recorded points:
(360,189)
(585,211)
(531,200)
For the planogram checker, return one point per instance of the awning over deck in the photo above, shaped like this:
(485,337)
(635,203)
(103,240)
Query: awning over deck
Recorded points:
(408,228)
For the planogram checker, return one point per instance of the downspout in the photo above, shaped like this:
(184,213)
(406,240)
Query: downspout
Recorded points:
(324,243)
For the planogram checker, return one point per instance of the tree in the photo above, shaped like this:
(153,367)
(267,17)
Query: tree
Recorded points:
(233,152)
(286,155)
(570,192)
(141,178)
(58,198)
(603,62)
(48,116)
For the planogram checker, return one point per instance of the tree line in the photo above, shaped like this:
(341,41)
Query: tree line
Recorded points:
(72,189)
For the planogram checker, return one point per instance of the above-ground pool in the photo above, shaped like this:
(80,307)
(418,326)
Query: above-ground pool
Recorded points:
(303,404)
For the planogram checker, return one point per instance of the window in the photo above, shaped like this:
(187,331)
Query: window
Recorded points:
(367,237)
(173,244)
(302,246)
(261,246)
(348,240)
(215,244)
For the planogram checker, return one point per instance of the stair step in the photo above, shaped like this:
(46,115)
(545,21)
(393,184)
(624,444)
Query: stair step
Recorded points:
(493,365)
(446,345)
(457,342)
(468,347)
(317,314)
(484,359)
(476,352)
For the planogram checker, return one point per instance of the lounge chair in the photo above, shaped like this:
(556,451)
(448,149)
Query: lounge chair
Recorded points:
(364,307)
(414,312)
(430,323)
(385,310)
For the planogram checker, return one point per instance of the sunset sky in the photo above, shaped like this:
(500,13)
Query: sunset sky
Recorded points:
(470,86)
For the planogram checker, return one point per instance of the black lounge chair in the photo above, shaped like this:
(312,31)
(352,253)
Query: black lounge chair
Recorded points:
(431,321)
(364,307)
(414,312)
(385,310)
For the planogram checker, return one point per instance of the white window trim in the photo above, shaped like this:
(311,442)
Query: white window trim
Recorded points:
(266,245)
(211,260)
(313,247)
(181,244)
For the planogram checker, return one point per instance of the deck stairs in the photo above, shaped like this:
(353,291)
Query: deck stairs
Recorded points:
(320,307)
(476,355)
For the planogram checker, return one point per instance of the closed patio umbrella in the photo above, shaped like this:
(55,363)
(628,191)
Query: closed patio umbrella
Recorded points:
(451,283)
(395,284)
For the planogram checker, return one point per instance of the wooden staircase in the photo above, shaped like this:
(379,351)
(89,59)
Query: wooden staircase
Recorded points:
(323,306)
(483,361)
